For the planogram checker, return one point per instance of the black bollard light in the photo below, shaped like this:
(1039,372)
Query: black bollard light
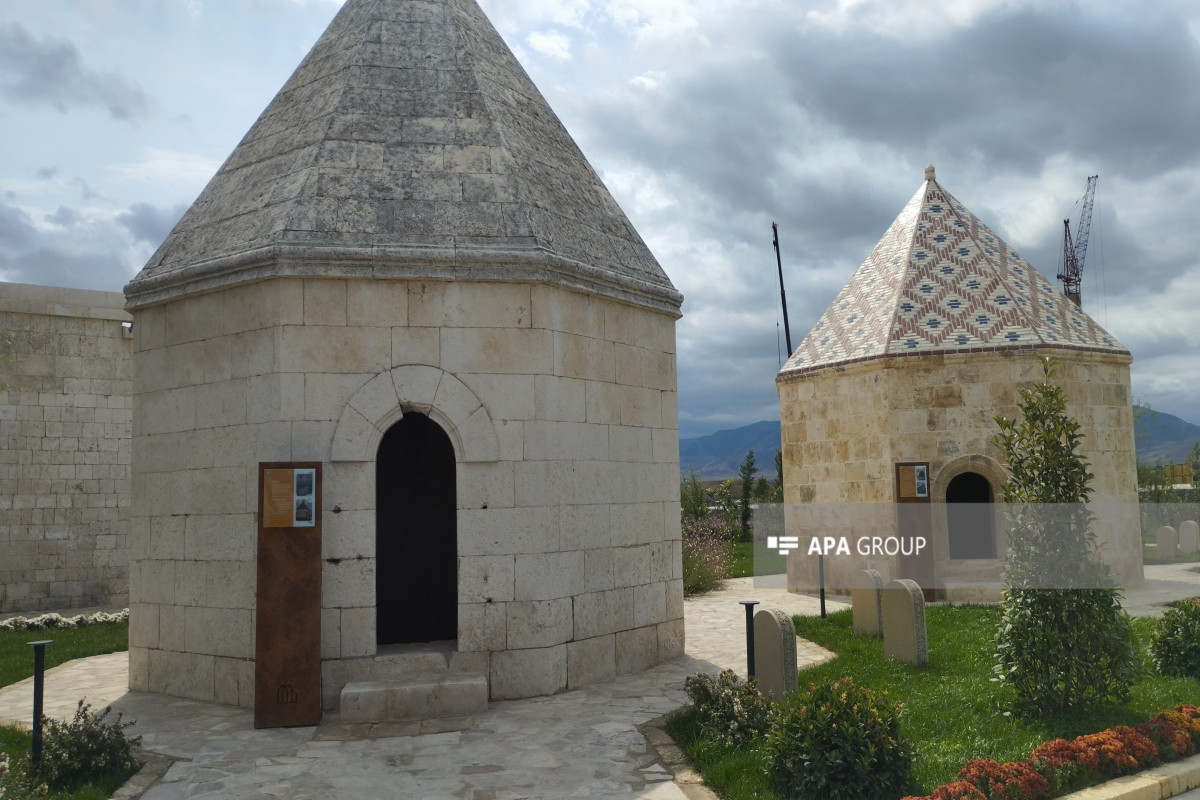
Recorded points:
(749,604)
(39,685)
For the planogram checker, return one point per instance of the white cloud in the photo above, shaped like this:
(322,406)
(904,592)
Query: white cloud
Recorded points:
(906,18)
(167,167)
(649,80)
(554,44)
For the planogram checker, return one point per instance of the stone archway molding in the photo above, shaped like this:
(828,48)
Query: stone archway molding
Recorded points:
(988,467)
(381,402)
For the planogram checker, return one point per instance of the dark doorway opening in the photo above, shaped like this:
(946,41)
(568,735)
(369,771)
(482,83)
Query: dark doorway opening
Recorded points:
(416,534)
(969,516)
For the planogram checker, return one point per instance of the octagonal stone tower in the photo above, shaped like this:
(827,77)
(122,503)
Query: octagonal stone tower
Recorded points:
(409,273)
(904,375)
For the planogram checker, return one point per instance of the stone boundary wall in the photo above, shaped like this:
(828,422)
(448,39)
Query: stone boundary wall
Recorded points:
(66,370)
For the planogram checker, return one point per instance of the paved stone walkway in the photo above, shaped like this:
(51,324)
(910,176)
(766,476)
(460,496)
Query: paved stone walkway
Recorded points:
(583,743)
(578,744)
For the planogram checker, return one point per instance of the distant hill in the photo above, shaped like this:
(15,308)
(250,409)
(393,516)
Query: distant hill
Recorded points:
(1164,437)
(720,454)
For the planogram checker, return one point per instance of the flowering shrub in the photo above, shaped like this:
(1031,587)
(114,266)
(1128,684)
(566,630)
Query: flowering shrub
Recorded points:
(1059,767)
(956,790)
(1168,730)
(705,546)
(1012,781)
(838,741)
(59,621)
(1176,641)
(87,749)
(731,711)
(1119,751)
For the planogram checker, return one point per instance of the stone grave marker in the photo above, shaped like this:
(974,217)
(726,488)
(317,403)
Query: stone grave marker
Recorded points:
(1168,542)
(904,622)
(774,652)
(1189,538)
(866,601)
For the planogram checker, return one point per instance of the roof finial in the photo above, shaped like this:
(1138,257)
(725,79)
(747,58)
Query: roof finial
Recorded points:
(929,176)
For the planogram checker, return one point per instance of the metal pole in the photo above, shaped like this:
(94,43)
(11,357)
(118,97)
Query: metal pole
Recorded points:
(39,684)
(787,331)
(821,574)
(749,604)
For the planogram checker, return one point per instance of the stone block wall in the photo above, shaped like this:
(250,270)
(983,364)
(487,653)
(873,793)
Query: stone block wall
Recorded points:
(845,428)
(561,408)
(65,416)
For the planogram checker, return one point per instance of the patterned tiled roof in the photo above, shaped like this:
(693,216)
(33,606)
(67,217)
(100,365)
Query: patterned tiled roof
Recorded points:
(940,281)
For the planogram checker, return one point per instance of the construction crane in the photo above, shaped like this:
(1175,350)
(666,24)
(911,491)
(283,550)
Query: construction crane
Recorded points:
(1074,252)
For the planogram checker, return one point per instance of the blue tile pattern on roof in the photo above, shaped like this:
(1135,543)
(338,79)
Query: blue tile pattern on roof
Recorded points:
(939,280)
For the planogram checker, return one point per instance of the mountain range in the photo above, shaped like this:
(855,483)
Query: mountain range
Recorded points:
(1160,437)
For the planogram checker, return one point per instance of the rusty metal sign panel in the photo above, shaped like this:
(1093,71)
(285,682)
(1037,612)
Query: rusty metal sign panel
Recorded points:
(287,655)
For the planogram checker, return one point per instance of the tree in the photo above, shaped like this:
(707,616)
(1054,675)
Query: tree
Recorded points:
(747,474)
(1063,643)
(778,476)
(1193,460)
(692,500)
(763,493)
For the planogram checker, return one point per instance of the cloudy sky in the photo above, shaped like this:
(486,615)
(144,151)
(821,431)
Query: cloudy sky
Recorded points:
(708,120)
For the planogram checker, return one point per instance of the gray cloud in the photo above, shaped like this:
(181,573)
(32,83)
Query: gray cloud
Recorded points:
(47,173)
(54,267)
(52,71)
(149,223)
(16,229)
(1013,90)
(65,217)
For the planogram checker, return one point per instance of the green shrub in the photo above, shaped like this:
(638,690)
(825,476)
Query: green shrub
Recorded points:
(705,552)
(1063,642)
(731,711)
(1176,642)
(86,750)
(1066,649)
(838,741)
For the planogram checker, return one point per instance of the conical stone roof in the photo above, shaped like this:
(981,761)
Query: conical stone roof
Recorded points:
(408,143)
(940,281)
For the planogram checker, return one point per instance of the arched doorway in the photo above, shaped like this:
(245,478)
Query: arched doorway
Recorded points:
(416,537)
(970,522)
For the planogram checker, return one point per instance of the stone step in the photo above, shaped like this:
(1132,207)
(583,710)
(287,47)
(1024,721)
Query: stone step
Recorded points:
(449,694)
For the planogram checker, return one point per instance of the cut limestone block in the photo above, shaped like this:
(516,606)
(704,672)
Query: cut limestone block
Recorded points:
(774,652)
(425,697)
(1168,542)
(866,600)
(1189,538)
(904,622)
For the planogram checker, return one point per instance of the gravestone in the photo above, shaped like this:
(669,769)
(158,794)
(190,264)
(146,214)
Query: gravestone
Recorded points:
(866,602)
(774,652)
(1189,538)
(904,622)
(1168,542)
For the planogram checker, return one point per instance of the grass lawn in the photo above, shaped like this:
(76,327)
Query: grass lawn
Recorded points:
(742,557)
(953,712)
(16,664)
(16,656)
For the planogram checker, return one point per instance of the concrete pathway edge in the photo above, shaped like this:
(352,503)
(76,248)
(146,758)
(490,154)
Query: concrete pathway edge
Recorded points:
(1158,783)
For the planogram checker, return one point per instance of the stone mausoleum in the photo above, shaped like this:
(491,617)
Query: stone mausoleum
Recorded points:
(888,405)
(408,273)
